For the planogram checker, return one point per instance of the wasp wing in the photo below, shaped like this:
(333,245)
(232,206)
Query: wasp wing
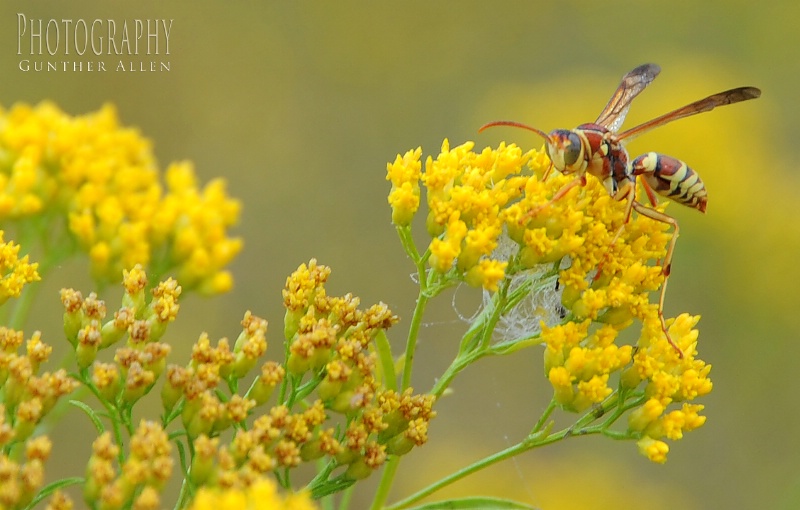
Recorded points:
(633,83)
(704,105)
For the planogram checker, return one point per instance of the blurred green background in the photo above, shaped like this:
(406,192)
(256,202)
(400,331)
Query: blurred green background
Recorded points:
(299,105)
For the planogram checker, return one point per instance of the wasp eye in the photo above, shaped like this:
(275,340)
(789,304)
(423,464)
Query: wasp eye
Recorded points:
(572,149)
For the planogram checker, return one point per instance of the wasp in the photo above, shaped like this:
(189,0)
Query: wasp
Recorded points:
(596,148)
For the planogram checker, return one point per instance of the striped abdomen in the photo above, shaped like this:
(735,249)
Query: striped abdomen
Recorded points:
(672,178)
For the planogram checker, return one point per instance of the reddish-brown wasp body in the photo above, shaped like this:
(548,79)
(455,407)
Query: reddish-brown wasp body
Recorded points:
(596,149)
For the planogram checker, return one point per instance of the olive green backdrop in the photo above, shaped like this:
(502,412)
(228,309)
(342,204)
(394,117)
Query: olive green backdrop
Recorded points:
(299,105)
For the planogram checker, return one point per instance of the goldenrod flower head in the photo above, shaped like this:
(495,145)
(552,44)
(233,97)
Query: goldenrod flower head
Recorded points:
(653,449)
(37,351)
(164,306)
(106,378)
(15,272)
(103,180)
(138,382)
(302,288)
(28,395)
(404,174)
(144,471)
(272,374)
(250,345)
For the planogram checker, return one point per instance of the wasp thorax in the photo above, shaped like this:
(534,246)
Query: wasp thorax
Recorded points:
(564,148)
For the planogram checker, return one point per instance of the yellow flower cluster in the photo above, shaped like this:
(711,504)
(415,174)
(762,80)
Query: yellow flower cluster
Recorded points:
(19,483)
(480,203)
(668,379)
(404,196)
(15,272)
(606,288)
(195,390)
(141,477)
(579,365)
(103,180)
(467,193)
(332,338)
(139,362)
(27,397)
(261,495)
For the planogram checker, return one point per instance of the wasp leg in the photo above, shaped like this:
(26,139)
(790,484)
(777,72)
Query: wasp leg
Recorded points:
(546,173)
(667,266)
(558,196)
(651,195)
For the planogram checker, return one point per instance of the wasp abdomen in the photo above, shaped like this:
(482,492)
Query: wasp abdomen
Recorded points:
(672,178)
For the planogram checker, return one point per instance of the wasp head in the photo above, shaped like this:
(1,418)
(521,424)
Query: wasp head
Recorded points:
(565,150)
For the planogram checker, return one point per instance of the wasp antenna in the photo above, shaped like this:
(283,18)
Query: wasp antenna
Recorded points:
(511,123)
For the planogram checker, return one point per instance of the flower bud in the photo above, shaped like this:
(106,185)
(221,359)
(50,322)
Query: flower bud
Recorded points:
(205,449)
(644,416)
(329,389)
(561,380)
(358,470)
(399,445)
(630,378)
(297,364)
(291,323)
(73,314)
(89,339)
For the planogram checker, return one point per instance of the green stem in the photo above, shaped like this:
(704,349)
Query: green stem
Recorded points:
(174,413)
(539,436)
(532,441)
(387,477)
(413,333)
(408,244)
(31,234)
(458,364)
(304,390)
(390,469)
(347,495)
(182,495)
(113,411)
(470,349)
(545,415)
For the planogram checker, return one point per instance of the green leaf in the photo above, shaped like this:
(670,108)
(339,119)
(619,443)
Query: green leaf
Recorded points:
(51,488)
(91,414)
(482,503)
(333,486)
(182,455)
